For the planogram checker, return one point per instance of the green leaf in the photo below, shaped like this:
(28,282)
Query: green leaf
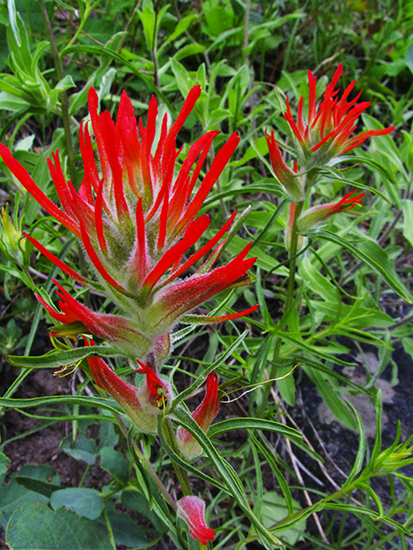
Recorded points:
(87,503)
(226,472)
(128,533)
(57,359)
(86,401)
(409,57)
(81,449)
(407,207)
(36,485)
(253,424)
(358,463)
(106,52)
(375,257)
(13,496)
(203,376)
(114,462)
(136,501)
(37,527)
(4,461)
(332,400)
(274,509)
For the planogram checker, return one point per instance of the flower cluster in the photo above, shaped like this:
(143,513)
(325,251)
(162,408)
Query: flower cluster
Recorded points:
(319,136)
(325,133)
(137,220)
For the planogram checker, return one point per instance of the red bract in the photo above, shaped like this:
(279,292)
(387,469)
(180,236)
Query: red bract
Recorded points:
(322,212)
(132,400)
(203,416)
(135,214)
(327,127)
(192,510)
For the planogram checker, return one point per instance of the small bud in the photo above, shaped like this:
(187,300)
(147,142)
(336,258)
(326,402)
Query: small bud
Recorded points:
(192,510)
(203,416)
(11,241)
(322,212)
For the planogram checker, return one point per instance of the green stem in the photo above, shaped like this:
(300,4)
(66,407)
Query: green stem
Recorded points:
(109,528)
(63,96)
(148,466)
(181,474)
(85,473)
(288,302)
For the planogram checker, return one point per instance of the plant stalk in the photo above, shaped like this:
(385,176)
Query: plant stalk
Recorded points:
(288,302)
(181,474)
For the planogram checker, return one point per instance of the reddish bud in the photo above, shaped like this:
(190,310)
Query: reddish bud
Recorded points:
(203,416)
(192,510)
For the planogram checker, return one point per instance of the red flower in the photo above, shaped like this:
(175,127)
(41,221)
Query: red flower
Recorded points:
(155,393)
(327,127)
(137,219)
(192,510)
(203,416)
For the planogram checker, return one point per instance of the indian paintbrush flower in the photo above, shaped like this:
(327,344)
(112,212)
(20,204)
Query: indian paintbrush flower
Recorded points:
(136,216)
(324,132)
(320,134)
(203,416)
(192,510)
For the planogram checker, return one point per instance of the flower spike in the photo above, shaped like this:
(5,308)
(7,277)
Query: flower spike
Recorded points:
(136,216)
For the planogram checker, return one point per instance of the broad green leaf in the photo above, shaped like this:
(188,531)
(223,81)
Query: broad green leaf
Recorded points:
(274,509)
(114,462)
(37,527)
(128,533)
(81,449)
(136,501)
(407,207)
(87,503)
(4,461)
(332,400)
(13,496)
(37,485)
